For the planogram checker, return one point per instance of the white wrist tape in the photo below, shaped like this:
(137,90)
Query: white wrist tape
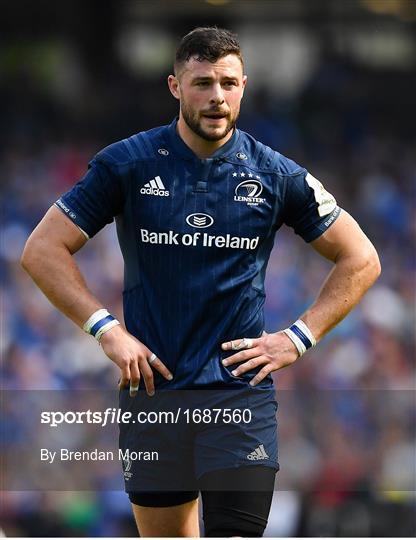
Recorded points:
(99,323)
(95,317)
(301,336)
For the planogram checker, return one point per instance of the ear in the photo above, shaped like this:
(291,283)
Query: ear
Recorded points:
(174,88)
(244,84)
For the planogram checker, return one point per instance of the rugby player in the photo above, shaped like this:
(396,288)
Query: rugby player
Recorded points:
(197,204)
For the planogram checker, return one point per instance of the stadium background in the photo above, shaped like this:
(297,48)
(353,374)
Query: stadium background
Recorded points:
(331,85)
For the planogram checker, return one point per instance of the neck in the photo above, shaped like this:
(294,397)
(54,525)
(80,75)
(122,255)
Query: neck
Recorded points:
(201,147)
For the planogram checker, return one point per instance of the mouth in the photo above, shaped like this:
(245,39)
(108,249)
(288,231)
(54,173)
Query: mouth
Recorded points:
(214,115)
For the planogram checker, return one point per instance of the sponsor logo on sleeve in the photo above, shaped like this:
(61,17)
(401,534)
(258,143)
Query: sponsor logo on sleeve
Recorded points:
(326,201)
(67,210)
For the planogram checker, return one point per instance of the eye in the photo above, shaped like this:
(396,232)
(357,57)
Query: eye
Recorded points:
(202,83)
(230,83)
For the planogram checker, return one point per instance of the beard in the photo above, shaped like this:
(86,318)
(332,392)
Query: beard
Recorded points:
(194,122)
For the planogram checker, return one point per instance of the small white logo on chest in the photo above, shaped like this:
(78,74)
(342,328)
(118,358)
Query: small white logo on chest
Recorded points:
(201,221)
(155,187)
(249,191)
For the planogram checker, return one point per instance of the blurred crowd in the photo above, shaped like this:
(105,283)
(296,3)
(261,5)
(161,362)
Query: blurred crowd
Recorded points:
(347,409)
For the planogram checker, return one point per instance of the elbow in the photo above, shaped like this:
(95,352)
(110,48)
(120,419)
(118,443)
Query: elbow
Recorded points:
(29,256)
(377,267)
(26,257)
(373,266)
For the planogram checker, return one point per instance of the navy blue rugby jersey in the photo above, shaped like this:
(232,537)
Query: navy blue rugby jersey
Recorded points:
(196,235)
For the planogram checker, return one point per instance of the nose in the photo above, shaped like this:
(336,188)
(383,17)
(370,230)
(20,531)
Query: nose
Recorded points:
(217,96)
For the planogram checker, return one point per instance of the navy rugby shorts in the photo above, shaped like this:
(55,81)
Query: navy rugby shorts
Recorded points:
(176,436)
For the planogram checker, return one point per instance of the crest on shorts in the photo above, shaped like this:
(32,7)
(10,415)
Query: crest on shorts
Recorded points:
(127,462)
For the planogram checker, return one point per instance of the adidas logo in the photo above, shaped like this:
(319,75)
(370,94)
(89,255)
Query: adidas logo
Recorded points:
(258,453)
(155,187)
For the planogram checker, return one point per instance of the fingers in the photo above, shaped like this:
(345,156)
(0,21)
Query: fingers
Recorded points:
(134,379)
(249,365)
(242,356)
(152,361)
(125,376)
(148,379)
(238,344)
(140,364)
(159,366)
(261,375)
(130,377)
(122,383)
(270,349)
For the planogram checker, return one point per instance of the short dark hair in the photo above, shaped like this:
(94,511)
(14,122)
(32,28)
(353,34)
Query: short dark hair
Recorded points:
(207,43)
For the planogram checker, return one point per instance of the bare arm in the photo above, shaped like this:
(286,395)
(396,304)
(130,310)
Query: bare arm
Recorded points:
(47,258)
(357,266)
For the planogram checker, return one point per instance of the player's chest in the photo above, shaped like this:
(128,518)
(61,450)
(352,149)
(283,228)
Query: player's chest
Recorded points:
(212,195)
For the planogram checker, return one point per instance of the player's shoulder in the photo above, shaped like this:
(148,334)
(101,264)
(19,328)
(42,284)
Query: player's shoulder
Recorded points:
(141,146)
(268,159)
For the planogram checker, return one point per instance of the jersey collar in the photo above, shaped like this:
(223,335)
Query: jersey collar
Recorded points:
(181,148)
